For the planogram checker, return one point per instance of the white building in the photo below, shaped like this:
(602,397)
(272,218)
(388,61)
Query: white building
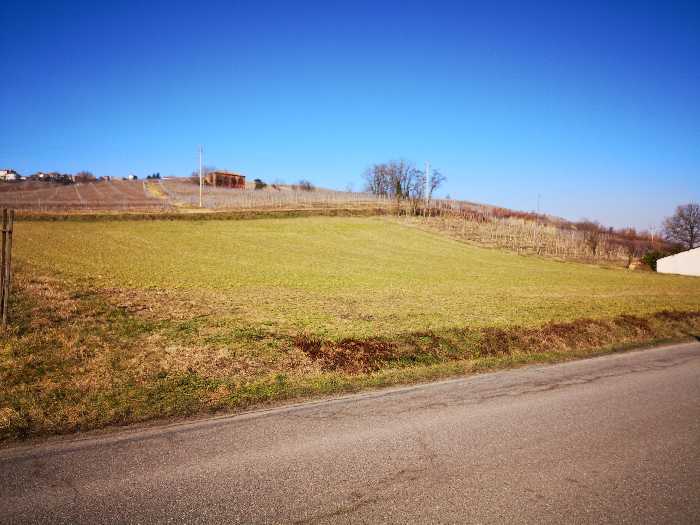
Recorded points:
(9,175)
(684,263)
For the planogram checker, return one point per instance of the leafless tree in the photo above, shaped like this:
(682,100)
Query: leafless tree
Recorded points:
(378,179)
(436,180)
(305,185)
(84,176)
(401,180)
(683,227)
(396,179)
(592,234)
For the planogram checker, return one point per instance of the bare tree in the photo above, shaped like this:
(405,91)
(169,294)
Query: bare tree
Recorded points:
(592,234)
(305,185)
(84,176)
(401,180)
(390,179)
(436,180)
(683,227)
(378,179)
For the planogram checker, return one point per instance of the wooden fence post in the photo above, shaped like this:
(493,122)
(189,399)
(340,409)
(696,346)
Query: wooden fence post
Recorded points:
(2,262)
(8,219)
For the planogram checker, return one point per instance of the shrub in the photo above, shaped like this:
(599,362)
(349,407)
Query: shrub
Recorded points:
(259,184)
(651,257)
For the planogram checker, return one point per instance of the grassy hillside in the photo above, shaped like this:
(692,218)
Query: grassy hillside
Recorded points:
(344,277)
(117,322)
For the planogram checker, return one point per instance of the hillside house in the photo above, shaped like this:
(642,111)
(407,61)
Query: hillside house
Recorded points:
(9,175)
(52,176)
(45,175)
(226,179)
(684,263)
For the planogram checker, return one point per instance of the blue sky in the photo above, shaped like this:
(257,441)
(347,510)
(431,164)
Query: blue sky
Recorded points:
(595,106)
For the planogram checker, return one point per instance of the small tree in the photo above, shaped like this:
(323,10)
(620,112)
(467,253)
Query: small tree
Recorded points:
(305,185)
(84,176)
(651,257)
(592,234)
(683,227)
(434,182)
(259,184)
(592,240)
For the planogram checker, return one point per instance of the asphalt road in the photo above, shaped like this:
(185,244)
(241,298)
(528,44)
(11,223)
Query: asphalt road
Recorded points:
(608,440)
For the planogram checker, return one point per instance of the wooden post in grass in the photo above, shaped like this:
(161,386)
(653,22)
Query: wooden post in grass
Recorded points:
(2,263)
(8,219)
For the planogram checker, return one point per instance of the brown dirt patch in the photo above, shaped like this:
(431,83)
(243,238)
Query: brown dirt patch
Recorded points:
(355,356)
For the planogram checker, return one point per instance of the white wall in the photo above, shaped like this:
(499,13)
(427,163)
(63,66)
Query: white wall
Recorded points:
(684,263)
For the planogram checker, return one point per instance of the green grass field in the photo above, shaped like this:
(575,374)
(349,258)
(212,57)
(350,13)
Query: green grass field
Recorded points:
(116,322)
(344,277)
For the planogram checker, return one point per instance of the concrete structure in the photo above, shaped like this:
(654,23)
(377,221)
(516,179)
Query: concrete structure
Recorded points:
(227,179)
(684,263)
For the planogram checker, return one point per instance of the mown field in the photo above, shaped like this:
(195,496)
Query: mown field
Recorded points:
(117,322)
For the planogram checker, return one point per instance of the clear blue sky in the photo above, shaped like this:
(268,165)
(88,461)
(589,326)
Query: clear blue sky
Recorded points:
(594,105)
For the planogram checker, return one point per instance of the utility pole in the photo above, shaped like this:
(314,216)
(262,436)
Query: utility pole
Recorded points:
(427,184)
(200,176)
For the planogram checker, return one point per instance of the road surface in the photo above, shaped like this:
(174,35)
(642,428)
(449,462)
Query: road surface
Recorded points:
(614,439)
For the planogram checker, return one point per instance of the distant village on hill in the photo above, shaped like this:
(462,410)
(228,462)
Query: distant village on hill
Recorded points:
(10,175)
